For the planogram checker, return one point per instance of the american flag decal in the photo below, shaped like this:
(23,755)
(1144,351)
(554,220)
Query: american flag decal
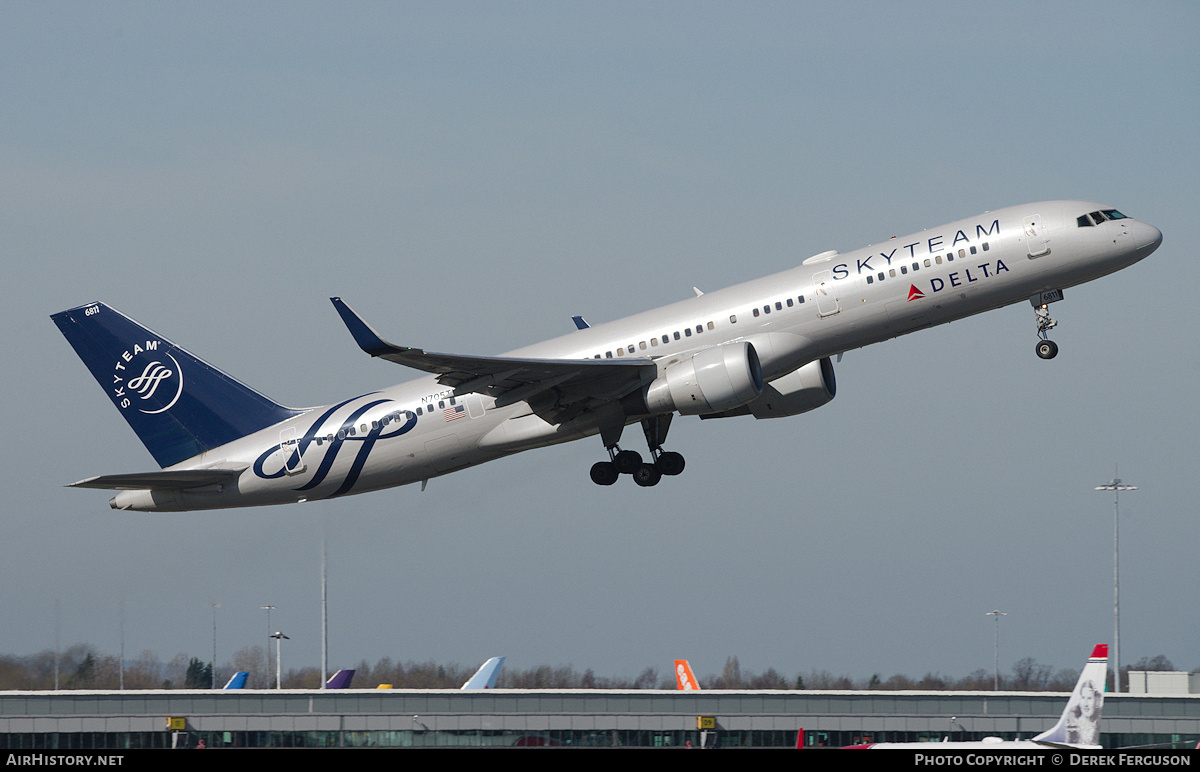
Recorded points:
(454,411)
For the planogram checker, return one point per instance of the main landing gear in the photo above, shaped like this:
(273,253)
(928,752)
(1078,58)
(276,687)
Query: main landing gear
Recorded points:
(630,461)
(1046,348)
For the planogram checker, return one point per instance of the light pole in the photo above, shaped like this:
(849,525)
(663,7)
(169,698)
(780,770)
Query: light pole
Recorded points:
(996,615)
(279,639)
(212,668)
(1116,487)
(324,614)
(121,658)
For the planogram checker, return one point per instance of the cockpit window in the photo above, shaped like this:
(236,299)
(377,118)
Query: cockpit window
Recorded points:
(1095,218)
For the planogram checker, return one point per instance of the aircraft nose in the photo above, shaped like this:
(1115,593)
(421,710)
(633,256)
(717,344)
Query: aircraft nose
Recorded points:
(1146,238)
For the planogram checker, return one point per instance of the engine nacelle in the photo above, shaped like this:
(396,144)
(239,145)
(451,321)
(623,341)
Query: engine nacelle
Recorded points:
(797,392)
(711,381)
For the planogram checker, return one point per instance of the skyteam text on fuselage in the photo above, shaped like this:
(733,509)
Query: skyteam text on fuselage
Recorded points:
(762,348)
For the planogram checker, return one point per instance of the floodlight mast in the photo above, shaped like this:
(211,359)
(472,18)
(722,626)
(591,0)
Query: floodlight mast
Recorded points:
(1116,487)
(279,639)
(996,615)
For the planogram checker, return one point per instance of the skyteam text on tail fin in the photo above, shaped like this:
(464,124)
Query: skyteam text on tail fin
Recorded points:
(177,404)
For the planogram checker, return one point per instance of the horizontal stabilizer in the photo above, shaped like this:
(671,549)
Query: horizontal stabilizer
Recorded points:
(159,481)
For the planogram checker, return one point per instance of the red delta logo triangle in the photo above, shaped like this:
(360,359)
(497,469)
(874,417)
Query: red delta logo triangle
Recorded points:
(914,293)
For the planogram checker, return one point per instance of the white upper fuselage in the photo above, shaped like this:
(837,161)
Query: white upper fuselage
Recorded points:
(823,307)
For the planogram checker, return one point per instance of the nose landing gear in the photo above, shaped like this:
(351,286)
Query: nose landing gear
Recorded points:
(1046,348)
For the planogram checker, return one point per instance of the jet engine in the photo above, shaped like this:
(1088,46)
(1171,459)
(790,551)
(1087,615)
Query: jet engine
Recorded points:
(715,379)
(797,392)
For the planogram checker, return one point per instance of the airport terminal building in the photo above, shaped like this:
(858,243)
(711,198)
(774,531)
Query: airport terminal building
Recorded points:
(573,718)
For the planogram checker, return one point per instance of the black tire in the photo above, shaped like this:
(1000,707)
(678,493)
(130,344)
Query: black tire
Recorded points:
(647,475)
(604,473)
(670,463)
(628,461)
(1047,349)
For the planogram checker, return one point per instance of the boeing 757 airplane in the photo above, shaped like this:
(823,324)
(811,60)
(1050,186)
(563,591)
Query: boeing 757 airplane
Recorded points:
(763,348)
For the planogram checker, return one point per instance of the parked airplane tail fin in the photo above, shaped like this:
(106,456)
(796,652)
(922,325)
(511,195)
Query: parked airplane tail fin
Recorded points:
(177,404)
(238,680)
(684,679)
(485,676)
(340,680)
(1080,722)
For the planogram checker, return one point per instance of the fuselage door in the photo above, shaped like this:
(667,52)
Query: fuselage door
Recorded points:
(826,292)
(1036,239)
(289,446)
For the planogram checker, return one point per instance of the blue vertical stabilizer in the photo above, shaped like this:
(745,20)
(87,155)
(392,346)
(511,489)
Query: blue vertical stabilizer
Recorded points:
(177,404)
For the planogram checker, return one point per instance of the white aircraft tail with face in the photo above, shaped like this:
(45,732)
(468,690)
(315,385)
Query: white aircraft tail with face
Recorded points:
(684,679)
(1078,727)
(1080,722)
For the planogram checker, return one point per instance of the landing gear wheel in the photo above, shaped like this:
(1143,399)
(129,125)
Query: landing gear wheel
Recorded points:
(627,461)
(604,473)
(1047,349)
(670,463)
(647,475)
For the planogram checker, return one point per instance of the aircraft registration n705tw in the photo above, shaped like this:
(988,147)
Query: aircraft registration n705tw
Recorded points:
(761,348)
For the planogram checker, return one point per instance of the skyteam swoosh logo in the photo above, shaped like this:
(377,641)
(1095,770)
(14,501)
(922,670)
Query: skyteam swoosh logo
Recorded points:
(158,382)
(351,433)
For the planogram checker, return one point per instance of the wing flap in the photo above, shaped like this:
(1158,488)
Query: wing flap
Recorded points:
(159,481)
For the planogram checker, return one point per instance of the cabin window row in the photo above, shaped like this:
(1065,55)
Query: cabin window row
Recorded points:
(779,305)
(399,415)
(927,263)
(633,348)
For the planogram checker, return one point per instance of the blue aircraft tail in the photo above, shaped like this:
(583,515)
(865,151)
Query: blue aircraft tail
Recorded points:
(177,404)
(340,680)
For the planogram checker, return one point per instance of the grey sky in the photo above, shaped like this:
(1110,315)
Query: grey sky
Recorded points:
(468,176)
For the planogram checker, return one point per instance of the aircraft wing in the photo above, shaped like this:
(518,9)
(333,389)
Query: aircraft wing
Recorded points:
(159,481)
(575,379)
